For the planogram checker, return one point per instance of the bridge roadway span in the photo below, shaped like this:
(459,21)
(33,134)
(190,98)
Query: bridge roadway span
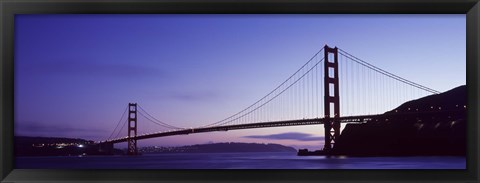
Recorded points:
(299,122)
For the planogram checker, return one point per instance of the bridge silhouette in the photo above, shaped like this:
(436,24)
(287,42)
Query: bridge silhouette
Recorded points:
(367,92)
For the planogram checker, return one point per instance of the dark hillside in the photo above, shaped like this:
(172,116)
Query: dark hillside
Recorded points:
(428,135)
(449,100)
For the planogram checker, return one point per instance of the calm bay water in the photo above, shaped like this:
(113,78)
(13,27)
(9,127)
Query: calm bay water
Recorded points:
(239,161)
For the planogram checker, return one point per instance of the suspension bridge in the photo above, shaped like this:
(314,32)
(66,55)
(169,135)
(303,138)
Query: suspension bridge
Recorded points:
(310,96)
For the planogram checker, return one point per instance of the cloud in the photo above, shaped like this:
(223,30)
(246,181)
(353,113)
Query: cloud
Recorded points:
(26,128)
(193,96)
(288,136)
(94,69)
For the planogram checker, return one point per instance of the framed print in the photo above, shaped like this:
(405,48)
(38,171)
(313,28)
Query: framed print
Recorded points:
(189,91)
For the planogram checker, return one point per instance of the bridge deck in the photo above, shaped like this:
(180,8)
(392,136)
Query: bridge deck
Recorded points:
(299,122)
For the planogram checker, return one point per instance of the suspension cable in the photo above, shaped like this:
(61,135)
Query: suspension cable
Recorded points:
(153,121)
(275,95)
(118,123)
(398,78)
(225,119)
(166,124)
(121,129)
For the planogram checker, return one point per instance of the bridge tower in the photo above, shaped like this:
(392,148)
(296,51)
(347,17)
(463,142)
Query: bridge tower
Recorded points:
(331,97)
(132,129)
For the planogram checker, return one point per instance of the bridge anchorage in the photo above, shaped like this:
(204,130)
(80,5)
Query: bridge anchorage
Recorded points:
(298,101)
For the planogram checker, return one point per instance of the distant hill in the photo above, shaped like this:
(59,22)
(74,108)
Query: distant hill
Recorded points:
(58,146)
(220,148)
(427,135)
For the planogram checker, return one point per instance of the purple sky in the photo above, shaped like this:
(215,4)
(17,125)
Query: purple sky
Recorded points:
(75,74)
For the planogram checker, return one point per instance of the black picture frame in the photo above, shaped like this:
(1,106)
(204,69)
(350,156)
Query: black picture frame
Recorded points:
(9,8)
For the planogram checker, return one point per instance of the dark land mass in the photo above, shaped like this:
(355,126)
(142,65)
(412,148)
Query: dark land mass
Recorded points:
(55,146)
(220,148)
(406,136)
